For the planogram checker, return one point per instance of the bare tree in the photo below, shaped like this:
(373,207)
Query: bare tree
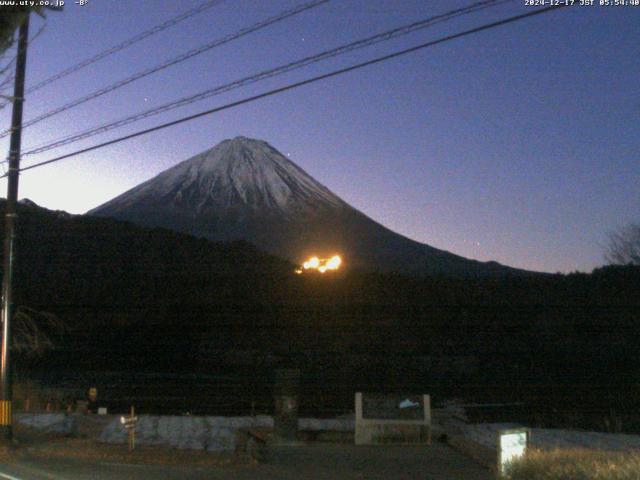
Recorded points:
(11,17)
(35,331)
(624,246)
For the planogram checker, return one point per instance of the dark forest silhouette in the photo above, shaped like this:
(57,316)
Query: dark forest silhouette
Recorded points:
(151,301)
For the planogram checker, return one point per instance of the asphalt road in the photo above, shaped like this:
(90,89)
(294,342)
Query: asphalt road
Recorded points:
(314,462)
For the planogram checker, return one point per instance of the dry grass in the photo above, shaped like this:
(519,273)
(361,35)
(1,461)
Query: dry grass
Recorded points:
(576,465)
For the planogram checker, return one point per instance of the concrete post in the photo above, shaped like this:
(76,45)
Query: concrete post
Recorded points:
(285,418)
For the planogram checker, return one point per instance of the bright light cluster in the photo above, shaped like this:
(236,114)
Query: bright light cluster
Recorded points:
(321,265)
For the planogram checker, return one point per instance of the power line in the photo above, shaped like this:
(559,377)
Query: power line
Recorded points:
(6,83)
(127,43)
(299,84)
(384,36)
(181,58)
(9,78)
(8,66)
(10,62)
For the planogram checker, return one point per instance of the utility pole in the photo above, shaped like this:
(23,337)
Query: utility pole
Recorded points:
(6,387)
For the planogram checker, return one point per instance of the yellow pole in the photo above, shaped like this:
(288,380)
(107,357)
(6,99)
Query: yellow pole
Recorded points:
(132,432)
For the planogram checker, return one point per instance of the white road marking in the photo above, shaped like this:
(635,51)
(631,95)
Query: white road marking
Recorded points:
(26,469)
(8,477)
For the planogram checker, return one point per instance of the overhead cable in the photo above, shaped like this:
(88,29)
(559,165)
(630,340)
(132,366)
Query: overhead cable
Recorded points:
(181,58)
(121,46)
(295,85)
(384,36)
(127,43)
(9,78)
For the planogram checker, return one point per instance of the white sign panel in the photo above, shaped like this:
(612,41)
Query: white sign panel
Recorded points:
(512,444)
(392,418)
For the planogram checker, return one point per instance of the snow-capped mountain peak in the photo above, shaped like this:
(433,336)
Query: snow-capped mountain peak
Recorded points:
(240,173)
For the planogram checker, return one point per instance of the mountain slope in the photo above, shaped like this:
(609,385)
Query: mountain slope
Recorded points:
(244,189)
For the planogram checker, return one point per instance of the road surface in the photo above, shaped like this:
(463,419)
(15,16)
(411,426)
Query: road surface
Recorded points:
(312,462)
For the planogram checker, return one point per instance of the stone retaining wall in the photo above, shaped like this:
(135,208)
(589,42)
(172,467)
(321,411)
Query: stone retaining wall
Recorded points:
(184,432)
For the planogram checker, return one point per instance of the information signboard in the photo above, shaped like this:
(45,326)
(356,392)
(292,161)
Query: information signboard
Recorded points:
(393,407)
(512,444)
(392,418)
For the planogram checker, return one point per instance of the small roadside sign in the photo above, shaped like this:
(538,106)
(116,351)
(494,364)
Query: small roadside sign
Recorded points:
(512,444)
(129,423)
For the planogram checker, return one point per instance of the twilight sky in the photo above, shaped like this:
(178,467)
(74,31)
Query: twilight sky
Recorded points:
(519,144)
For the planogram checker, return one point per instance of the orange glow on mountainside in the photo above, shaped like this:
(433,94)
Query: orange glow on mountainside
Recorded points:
(321,265)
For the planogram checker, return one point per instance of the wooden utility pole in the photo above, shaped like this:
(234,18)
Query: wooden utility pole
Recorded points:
(6,387)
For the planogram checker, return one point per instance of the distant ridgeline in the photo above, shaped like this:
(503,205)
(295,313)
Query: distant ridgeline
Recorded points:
(176,323)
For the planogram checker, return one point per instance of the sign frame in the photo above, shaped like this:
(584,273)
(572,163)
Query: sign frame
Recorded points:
(370,431)
(511,431)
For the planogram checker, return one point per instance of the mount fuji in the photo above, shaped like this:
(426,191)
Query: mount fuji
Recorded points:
(244,189)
